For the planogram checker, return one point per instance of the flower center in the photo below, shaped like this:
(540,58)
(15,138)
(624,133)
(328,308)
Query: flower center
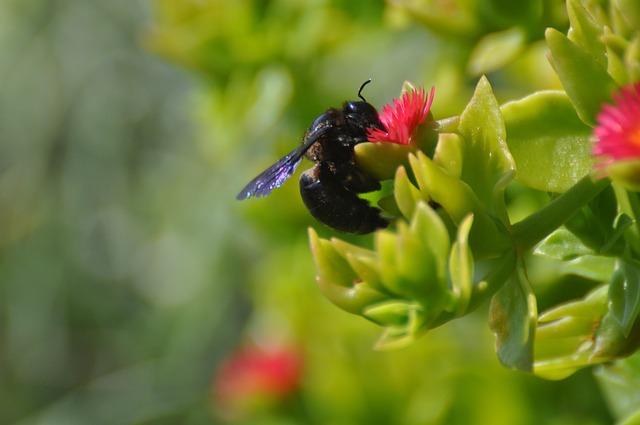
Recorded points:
(634,135)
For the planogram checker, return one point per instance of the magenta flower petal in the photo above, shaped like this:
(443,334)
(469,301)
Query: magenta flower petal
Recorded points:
(618,131)
(403,118)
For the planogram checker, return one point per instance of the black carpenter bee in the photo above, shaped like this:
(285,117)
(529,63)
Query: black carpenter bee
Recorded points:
(330,188)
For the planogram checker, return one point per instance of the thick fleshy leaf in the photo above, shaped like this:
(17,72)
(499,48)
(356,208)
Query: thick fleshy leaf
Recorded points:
(562,245)
(564,338)
(586,81)
(551,146)
(632,58)
(512,318)
(566,327)
(458,200)
(381,160)
(449,192)
(620,382)
(620,225)
(495,50)
(501,270)
(609,339)
(594,267)
(410,270)
(586,32)
(406,194)
(524,12)
(624,294)
(448,154)
(461,267)
(409,327)
(363,262)
(626,173)
(528,232)
(557,368)
(487,164)
(337,281)
(629,204)
(592,307)
(396,313)
(616,67)
(428,225)
(631,12)
(452,19)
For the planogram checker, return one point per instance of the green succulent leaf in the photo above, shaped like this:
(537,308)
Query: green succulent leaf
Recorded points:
(458,200)
(449,153)
(429,226)
(624,294)
(557,368)
(564,339)
(550,145)
(406,268)
(451,19)
(531,230)
(406,194)
(487,162)
(616,67)
(413,259)
(495,50)
(609,339)
(381,160)
(363,262)
(591,307)
(436,183)
(562,245)
(512,318)
(620,225)
(629,204)
(506,11)
(404,323)
(592,223)
(621,384)
(461,267)
(395,313)
(586,81)
(337,281)
(631,13)
(586,32)
(594,267)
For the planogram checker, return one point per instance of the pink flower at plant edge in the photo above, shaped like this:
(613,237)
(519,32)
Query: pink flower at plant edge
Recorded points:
(618,130)
(403,118)
(255,376)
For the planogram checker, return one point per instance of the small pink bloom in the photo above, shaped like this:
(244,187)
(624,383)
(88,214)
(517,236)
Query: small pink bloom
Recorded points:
(403,118)
(257,373)
(618,130)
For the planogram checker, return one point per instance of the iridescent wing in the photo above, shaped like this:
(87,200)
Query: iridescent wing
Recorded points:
(279,172)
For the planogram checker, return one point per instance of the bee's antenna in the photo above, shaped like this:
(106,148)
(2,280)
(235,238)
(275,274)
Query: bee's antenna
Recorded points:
(361,87)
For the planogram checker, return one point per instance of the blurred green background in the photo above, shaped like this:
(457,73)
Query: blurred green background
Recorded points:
(128,271)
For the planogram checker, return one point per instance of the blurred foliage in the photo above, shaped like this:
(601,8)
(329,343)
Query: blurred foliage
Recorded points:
(128,272)
(119,289)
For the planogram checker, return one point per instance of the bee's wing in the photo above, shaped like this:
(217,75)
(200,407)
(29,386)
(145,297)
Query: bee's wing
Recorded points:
(279,172)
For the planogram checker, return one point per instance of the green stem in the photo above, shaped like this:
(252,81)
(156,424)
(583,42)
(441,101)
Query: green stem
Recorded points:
(630,205)
(528,232)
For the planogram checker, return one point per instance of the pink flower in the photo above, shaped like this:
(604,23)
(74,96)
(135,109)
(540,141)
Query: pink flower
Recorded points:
(618,129)
(254,377)
(403,118)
